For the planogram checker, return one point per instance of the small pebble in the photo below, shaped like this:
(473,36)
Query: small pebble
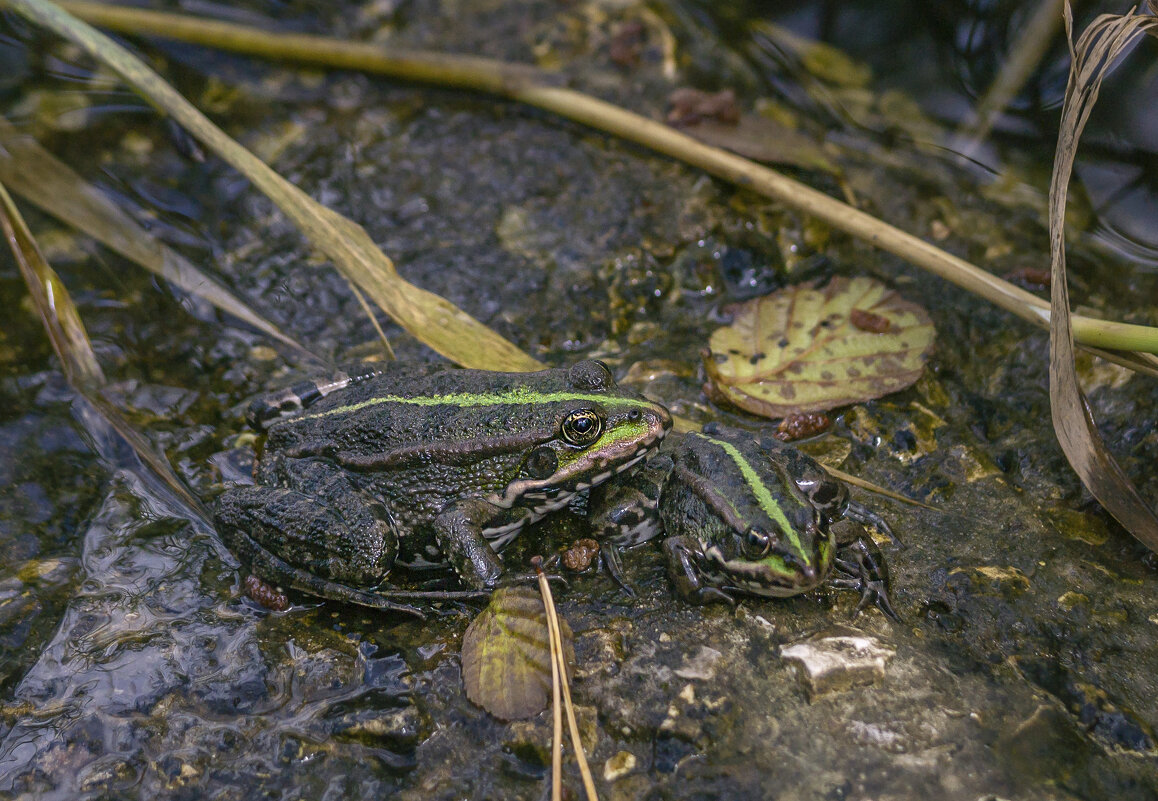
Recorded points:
(619,766)
(580,555)
(265,594)
(836,662)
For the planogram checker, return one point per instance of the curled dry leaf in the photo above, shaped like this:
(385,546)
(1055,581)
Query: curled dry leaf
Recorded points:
(506,655)
(1096,51)
(804,349)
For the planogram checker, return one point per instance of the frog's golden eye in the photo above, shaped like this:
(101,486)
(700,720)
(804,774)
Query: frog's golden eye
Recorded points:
(582,427)
(757,544)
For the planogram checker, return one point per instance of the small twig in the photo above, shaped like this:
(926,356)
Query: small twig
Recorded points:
(556,681)
(868,486)
(559,664)
(373,319)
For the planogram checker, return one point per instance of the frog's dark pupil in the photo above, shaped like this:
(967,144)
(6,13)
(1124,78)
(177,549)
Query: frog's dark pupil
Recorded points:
(582,427)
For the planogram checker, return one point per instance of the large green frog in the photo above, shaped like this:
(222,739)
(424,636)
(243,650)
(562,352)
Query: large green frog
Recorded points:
(418,467)
(743,513)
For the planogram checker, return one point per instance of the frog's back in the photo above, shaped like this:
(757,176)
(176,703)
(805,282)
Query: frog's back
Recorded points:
(403,404)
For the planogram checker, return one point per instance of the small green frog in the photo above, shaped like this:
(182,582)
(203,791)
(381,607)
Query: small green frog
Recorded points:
(416,467)
(743,513)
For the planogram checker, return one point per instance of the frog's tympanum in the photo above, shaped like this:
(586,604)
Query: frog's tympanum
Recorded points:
(419,467)
(743,513)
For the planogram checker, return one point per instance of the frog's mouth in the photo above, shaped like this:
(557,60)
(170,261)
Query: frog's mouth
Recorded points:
(588,470)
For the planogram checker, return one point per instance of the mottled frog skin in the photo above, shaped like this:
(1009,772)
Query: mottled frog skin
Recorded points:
(417,467)
(743,513)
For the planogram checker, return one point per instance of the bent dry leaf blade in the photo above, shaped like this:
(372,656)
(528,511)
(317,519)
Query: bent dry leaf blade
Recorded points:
(40,178)
(69,339)
(430,318)
(1093,55)
(61,320)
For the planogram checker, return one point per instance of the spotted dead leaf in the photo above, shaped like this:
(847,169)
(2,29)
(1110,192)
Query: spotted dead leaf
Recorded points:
(506,655)
(804,349)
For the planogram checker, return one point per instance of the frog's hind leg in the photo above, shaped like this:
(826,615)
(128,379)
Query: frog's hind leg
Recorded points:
(861,567)
(317,533)
(263,563)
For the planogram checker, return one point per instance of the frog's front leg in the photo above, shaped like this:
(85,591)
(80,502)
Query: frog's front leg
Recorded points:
(682,554)
(314,531)
(861,566)
(458,530)
(624,513)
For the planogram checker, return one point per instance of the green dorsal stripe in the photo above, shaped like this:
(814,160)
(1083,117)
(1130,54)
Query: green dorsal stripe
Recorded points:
(519,396)
(760,490)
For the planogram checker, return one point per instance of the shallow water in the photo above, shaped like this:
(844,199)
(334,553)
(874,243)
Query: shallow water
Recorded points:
(129,665)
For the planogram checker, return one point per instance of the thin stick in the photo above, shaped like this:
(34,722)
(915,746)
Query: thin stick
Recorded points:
(557,704)
(848,478)
(373,319)
(532,86)
(557,654)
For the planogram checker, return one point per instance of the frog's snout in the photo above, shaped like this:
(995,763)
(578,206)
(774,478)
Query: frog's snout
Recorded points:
(657,419)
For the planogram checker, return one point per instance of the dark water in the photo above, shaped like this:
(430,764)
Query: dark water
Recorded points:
(129,664)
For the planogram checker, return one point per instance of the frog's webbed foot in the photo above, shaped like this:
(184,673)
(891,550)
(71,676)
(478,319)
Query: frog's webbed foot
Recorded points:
(681,554)
(624,513)
(867,517)
(861,567)
(262,562)
(609,558)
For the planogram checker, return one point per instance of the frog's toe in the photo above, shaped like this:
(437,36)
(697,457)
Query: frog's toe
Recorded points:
(609,559)
(710,595)
(865,575)
(865,516)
